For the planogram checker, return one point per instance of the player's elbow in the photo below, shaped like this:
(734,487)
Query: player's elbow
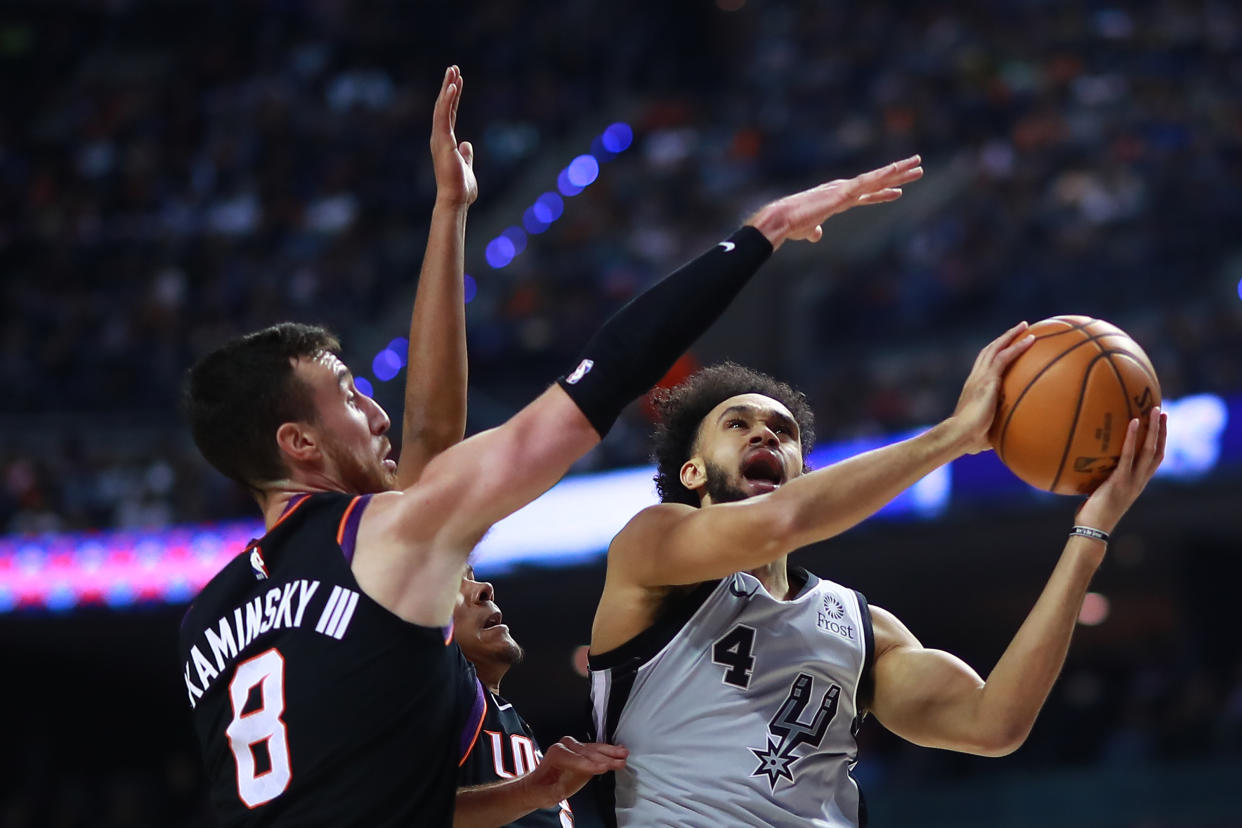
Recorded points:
(1001,739)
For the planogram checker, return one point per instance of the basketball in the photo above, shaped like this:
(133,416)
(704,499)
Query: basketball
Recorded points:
(1065,403)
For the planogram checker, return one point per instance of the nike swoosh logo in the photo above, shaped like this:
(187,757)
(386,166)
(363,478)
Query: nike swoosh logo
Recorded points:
(728,246)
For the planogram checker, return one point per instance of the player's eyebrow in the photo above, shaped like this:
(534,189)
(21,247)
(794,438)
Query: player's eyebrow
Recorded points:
(744,409)
(749,410)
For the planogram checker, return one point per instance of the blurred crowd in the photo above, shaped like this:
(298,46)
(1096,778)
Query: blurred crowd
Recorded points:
(176,175)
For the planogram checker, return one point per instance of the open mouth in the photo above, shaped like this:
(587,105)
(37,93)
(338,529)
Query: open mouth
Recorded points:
(493,620)
(763,468)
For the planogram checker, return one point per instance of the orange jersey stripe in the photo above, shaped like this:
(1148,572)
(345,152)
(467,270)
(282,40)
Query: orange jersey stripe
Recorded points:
(290,511)
(340,531)
(477,731)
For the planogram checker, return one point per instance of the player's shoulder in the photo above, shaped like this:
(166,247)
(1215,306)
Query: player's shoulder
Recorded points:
(320,512)
(651,521)
(233,579)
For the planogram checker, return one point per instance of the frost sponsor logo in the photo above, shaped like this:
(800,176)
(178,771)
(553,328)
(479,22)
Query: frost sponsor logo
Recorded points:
(832,619)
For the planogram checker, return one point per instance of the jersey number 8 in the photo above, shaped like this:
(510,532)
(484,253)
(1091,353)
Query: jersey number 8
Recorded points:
(259,726)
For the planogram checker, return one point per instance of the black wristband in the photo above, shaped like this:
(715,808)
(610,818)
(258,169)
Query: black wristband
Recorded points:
(1089,532)
(638,345)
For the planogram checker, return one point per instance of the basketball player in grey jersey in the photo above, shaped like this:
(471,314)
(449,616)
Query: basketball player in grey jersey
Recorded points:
(738,683)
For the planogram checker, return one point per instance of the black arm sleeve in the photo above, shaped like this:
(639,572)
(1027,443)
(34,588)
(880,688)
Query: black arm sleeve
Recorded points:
(641,341)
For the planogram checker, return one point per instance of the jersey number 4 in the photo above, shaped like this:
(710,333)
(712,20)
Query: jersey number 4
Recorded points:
(733,651)
(260,727)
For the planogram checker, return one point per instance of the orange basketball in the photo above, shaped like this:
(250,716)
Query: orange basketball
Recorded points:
(1065,403)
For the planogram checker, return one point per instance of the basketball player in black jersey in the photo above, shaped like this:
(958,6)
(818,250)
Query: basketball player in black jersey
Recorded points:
(318,663)
(506,747)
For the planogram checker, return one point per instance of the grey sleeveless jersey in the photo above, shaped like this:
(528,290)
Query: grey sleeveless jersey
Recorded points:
(738,709)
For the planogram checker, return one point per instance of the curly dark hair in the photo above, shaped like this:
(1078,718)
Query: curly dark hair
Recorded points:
(239,394)
(683,408)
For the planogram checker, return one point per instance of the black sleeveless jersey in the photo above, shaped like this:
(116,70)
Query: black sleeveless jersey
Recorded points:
(505,749)
(314,705)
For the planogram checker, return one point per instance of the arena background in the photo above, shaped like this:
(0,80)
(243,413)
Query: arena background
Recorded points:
(176,172)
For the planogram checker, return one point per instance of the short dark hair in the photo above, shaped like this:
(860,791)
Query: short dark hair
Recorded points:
(682,409)
(239,394)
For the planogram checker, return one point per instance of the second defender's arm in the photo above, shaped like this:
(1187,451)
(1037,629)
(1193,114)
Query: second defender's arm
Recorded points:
(564,769)
(933,698)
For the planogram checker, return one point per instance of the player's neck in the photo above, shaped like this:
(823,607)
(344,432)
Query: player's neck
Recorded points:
(490,675)
(775,579)
(274,497)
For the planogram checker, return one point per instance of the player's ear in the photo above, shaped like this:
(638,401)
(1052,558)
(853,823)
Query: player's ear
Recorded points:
(297,442)
(693,474)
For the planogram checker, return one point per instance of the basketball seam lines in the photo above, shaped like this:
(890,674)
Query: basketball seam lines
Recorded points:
(1082,392)
(1000,442)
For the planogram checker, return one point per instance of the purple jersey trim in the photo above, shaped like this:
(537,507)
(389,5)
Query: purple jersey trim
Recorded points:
(293,502)
(474,722)
(349,531)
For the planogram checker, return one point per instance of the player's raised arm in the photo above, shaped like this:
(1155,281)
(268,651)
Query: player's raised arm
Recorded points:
(564,769)
(674,543)
(417,541)
(933,698)
(434,415)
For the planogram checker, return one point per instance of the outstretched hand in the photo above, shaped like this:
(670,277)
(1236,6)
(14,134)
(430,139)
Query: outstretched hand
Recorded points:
(453,162)
(800,216)
(567,766)
(1136,466)
(976,407)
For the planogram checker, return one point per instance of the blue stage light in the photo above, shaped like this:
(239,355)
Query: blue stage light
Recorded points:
(583,170)
(499,252)
(617,137)
(386,365)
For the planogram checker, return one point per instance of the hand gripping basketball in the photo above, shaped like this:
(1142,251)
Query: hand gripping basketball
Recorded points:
(1065,403)
(1136,466)
(976,407)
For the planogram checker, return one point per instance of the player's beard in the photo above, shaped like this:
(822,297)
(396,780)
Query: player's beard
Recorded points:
(360,477)
(512,655)
(720,486)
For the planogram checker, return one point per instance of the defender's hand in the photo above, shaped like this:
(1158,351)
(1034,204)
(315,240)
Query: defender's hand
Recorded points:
(453,162)
(800,215)
(976,407)
(1115,495)
(567,766)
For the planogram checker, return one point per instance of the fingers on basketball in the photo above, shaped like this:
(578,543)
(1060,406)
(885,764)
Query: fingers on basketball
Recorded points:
(1157,433)
(1125,464)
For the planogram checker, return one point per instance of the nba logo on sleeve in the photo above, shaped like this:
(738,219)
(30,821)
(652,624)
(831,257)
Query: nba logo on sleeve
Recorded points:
(581,371)
(258,565)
